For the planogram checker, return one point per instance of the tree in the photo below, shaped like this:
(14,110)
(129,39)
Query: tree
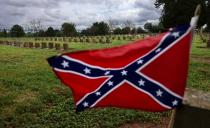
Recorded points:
(4,33)
(148,26)
(126,30)
(86,32)
(117,31)
(99,28)
(129,24)
(176,12)
(35,26)
(17,31)
(68,29)
(140,30)
(112,24)
(57,33)
(41,33)
(153,28)
(50,32)
(134,31)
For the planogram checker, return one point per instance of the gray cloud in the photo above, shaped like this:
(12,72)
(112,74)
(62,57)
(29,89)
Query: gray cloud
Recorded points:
(82,12)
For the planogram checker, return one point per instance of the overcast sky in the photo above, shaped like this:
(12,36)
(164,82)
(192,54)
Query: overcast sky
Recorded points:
(81,12)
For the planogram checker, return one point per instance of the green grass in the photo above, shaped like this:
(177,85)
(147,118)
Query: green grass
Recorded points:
(31,95)
(199,75)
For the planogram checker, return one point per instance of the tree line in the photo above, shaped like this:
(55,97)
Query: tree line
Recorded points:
(69,29)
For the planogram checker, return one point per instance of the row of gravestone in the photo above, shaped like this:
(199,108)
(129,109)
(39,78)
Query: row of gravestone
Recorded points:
(97,39)
(42,45)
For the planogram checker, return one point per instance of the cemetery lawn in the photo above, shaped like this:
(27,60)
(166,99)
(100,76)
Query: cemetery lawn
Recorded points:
(31,95)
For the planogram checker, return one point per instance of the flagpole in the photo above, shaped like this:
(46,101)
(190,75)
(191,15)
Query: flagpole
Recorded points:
(197,10)
(195,19)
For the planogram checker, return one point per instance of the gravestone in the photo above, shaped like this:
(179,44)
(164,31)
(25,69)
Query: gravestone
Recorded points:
(50,45)
(108,40)
(94,40)
(64,39)
(57,46)
(87,40)
(7,43)
(37,45)
(195,112)
(15,43)
(65,46)
(75,40)
(44,45)
(60,40)
(81,40)
(25,45)
(101,40)
(18,44)
(31,45)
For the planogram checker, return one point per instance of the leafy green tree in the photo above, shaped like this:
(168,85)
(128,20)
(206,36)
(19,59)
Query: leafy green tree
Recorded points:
(5,33)
(134,31)
(68,29)
(99,28)
(57,33)
(153,28)
(126,30)
(148,26)
(117,31)
(176,12)
(17,31)
(41,33)
(50,32)
(86,32)
(140,30)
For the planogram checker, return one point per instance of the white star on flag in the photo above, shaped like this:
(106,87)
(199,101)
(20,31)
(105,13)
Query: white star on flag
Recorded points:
(107,73)
(98,93)
(175,34)
(110,83)
(85,104)
(140,62)
(87,71)
(158,50)
(175,103)
(141,82)
(159,93)
(124,73)
(65,64)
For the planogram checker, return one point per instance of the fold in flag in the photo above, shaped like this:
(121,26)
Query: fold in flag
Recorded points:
(147,74)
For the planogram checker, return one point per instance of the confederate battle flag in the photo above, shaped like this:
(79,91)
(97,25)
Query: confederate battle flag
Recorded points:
(147,74)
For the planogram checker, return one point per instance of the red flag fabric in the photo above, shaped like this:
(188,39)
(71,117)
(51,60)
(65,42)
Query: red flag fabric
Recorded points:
(148,74)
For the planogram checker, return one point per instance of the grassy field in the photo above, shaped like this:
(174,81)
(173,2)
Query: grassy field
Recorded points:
(31,95)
